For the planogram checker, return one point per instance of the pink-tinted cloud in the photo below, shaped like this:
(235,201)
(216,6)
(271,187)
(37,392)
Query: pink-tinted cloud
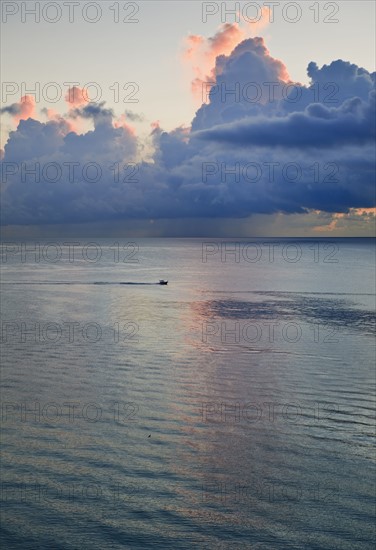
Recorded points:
(155,128)
(68,124)
(22,110)
(27,105)
(122,122)
(355,217)
(75,97)
(200,53)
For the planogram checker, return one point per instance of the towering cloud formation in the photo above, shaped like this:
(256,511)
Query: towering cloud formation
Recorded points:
(258,144)
(246,82)
(200,53)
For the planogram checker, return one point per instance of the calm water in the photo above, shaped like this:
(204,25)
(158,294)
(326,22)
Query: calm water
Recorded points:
(233,408)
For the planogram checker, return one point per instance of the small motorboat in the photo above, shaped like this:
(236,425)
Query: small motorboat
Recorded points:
(162,282)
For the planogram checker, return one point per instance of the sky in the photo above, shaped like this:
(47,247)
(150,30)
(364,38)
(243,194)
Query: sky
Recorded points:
(152,114)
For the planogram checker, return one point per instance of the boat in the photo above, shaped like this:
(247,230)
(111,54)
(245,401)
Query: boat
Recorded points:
(162,282)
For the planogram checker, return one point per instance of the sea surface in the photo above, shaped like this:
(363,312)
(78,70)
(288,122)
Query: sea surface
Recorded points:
(232,408)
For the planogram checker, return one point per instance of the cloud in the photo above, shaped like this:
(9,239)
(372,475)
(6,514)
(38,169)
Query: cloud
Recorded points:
(54,116)
(298,153)
(357,218)
(75,97)
(22,110)
(200,53)
(317,127)
(34,140)
(243,85)
(133,117)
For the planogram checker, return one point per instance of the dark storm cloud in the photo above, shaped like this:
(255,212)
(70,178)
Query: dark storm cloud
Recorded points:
(320,149)
(317,127)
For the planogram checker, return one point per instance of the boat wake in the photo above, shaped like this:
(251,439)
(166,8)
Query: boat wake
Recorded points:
(82,283)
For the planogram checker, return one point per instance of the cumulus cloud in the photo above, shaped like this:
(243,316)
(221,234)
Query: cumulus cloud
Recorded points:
(247,82)
(75,97)
(200,53)
(22,110)
(309,148)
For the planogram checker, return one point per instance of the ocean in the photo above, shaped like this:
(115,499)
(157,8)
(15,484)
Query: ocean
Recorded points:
(232,408)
